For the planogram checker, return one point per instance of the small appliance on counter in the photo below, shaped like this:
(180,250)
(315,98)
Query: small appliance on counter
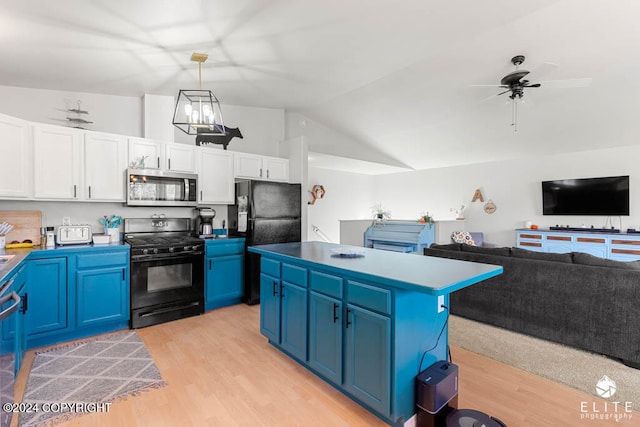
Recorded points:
(204,222)
(72,235)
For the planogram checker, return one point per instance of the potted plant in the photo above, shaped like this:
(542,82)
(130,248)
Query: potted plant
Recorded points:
(379,213)
(426,218)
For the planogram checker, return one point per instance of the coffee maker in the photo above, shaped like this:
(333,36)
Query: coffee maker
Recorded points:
(204,222)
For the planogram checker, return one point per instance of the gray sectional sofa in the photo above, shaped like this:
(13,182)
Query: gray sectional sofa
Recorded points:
(574,299)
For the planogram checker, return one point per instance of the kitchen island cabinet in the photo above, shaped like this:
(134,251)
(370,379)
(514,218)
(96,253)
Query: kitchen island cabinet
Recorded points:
(370,318)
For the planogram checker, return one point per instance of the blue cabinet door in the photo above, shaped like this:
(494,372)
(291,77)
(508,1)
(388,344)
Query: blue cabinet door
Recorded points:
(270,307)
(367,357)
(325,336)
(47,284)
(224,279)
(293,327)
(102,296)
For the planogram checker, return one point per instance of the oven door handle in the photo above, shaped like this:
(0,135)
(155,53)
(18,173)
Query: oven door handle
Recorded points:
(169,256)
(12,309)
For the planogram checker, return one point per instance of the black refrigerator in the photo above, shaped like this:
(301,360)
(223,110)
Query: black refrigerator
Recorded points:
(264,212)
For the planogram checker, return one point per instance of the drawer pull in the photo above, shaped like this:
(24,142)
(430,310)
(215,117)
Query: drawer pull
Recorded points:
(626,242)
(590,240)
(531,236)
(537,245)
(625,251)
(563,238)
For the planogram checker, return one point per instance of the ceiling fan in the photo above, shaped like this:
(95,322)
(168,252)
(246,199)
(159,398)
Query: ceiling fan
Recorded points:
(516,81)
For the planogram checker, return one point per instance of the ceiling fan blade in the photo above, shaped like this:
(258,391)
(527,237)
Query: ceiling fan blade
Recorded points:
(533,85)
(540,71)
(503,92)
(569,83)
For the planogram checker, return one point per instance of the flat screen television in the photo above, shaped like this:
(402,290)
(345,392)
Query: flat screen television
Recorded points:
(588,196)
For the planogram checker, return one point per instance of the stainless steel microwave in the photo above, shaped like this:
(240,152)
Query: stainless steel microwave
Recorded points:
(149,187)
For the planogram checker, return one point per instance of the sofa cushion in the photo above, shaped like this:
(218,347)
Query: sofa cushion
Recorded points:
(448,246)
(489,251)
(462,237)
(588,259)
(541,256)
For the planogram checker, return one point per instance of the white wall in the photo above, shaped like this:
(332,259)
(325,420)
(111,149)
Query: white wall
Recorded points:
(514,186)
(348,196)
(109,113)
(90,213)
(325,140)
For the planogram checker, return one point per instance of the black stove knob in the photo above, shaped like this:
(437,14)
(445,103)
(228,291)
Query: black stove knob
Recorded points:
(145,251)
(172,250)
(186,248)
(194,247)
(155,250)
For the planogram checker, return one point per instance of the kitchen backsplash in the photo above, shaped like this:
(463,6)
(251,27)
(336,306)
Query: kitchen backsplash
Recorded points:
(90,213)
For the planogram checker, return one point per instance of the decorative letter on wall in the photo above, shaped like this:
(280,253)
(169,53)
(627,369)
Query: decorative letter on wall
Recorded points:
(477,196)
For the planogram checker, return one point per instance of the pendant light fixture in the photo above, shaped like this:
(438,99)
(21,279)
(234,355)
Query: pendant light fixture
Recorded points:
(198,111)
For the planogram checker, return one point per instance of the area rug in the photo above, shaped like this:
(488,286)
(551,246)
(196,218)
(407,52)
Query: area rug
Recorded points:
(575,368)
(79,378)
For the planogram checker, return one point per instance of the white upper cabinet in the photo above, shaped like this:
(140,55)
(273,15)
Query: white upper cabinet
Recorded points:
(254,166)
(180,157)
(151,151)
(168,156)
(277,169)
(215,176)
(16,172)
(105,162)
(57,162)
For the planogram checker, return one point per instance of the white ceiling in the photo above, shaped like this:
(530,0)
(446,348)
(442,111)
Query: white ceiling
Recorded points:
(394,75)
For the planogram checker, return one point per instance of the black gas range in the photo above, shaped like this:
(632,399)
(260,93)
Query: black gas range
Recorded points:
(167,270)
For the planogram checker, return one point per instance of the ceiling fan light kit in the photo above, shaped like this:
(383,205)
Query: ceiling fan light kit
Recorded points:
(198,111)
(516,81)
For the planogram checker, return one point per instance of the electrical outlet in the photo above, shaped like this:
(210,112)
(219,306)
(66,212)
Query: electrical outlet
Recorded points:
(440,303)
(66,220)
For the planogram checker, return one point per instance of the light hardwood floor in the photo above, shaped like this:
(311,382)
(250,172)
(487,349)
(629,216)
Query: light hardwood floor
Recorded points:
(221,372)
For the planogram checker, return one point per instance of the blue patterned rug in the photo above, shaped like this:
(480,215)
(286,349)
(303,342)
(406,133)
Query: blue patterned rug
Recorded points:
(85,377)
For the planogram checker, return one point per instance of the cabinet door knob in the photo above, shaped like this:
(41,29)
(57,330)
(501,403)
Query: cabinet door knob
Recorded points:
(335,312)
(260,172)
(267,173)
(281,291)
(25,303)
(275,288)
(89,191)
(348,322)
(75,193)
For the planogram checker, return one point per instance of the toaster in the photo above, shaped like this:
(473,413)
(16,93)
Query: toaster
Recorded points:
(73,234)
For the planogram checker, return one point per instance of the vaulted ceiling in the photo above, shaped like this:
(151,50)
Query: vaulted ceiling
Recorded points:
(396,76)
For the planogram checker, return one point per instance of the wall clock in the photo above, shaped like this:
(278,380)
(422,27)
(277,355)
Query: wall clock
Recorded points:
(490,207)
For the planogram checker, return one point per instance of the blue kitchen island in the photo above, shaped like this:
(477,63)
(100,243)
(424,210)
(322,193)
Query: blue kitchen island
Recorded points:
(362,319)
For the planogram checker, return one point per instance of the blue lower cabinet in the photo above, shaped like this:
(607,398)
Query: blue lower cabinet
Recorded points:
(47,301)
(102,296)
(325,336)
(224,272)
(223,281)
(270,307)
(293,327)
(368,357)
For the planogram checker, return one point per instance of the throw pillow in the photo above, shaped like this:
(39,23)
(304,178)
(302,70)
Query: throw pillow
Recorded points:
(463,237)
(588,259)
